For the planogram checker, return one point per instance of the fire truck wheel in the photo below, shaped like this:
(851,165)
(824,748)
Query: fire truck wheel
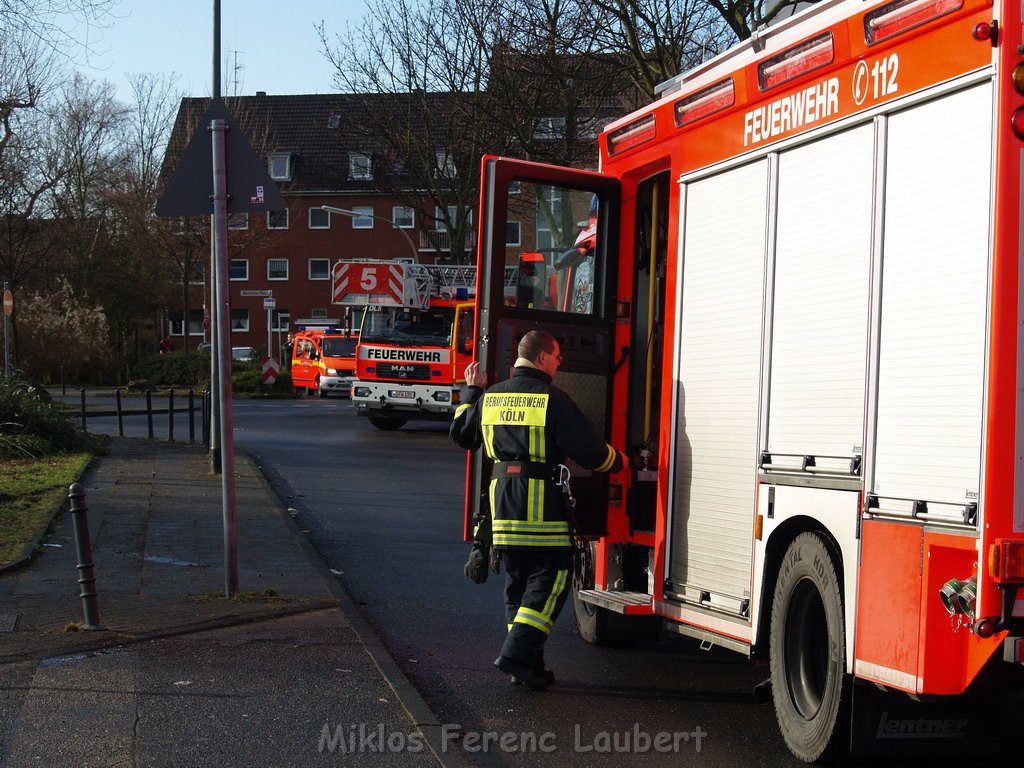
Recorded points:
(381,422)
(596,625)
(808,651)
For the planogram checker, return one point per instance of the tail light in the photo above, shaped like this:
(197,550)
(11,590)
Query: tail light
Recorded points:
(1006,560)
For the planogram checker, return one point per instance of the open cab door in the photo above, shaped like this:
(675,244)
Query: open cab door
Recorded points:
(547,261)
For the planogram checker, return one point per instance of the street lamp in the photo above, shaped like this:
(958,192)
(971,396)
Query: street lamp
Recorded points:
(356,214)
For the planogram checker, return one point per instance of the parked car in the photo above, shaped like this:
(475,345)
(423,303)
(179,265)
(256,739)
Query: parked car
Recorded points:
(244,354)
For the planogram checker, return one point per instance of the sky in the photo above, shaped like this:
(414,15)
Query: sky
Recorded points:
(277,47)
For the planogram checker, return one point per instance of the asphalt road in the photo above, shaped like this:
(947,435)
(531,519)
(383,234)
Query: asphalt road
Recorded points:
(384,509)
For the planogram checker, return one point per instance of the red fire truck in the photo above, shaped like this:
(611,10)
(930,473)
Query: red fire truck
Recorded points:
(802,314)
(415,340)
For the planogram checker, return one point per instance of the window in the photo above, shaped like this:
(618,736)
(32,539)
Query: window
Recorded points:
(277,269)
(453,216)
(277,219)
(319,312)
(403,217)
(319,269)
(238,269)
(513,233)
(238,220)
(279,164)
(195,323)
(239,320)
(365,218)
(319,219)
(280,318)
(360,167)
(445,167)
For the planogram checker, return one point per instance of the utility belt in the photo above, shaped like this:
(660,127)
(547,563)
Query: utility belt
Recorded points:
(530,470)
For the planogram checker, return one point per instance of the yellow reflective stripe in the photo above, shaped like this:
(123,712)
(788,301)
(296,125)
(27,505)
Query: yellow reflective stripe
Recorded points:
(532,525)
(538,450)
(544,618)
(462,409)
(534,499)
(556,590)
(527,540)
(510,626)
(488,435)
(514,409)
(608,462)
(533,619)
(529,621)
(490,495)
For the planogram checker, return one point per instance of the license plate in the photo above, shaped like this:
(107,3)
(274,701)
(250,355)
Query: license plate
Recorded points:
(402,394)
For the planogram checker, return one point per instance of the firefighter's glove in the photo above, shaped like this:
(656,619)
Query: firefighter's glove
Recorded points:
(496,560)
(476,565)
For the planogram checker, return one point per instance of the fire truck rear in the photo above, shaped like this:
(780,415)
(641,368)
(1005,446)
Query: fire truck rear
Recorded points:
(801,310)
(415,340)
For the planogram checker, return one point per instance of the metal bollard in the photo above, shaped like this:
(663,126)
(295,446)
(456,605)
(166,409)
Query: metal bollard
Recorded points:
(63,386)
(170,415)
(120,415)
(86,574)
(191,416)
(206,418)
(149,411)
(82,392)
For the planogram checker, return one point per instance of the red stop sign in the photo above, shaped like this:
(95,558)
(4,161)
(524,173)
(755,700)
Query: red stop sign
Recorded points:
(8,303)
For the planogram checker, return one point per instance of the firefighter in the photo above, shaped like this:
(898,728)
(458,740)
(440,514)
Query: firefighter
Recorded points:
(527,427)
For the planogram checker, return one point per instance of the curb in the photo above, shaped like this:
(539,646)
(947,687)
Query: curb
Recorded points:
(30,548)
(423,717)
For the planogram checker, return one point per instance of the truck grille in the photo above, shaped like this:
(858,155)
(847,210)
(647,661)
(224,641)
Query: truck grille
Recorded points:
(403,372)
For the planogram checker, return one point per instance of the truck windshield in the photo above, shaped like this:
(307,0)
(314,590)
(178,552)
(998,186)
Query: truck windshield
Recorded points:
(431,327)
(340,346)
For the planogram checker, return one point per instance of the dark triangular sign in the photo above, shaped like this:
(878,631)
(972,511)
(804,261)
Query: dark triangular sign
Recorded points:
(190,189)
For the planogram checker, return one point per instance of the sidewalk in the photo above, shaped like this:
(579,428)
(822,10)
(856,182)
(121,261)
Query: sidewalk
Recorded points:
(291,651)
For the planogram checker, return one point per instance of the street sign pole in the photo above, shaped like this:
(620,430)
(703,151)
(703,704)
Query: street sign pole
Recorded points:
(269,304)
(222,324)
(223,318)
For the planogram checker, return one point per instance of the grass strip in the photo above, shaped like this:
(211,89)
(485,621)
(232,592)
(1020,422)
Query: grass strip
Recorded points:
(29,491)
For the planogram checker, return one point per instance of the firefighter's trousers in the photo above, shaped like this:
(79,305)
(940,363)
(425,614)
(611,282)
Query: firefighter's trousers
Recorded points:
(537,582)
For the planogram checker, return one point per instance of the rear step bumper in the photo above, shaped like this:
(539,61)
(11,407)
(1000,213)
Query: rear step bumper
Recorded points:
(631,603)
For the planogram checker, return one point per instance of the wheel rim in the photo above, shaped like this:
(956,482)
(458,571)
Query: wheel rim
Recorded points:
(806,649)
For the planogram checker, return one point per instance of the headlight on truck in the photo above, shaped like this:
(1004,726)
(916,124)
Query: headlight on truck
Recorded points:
(443,397)
(332,372)
(362,391)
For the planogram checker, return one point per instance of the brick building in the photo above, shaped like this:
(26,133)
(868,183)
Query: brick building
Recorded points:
(317,157)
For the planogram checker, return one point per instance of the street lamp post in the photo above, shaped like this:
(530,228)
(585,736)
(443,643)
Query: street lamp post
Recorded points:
(356,214)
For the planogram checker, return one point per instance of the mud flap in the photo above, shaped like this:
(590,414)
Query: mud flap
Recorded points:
(892,724)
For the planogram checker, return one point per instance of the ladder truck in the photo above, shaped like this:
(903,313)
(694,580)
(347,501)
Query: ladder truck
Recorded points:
(415,339)
(803,316)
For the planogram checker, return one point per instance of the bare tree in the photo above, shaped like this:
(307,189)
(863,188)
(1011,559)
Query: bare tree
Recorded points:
(745,16)
(446,81)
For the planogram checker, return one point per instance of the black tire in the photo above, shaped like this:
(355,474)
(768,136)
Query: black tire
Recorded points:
(322,392)
(387,424)
(596,625)
(810,686)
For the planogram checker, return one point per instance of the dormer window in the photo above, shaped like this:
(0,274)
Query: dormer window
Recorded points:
(445,165)
(360,167)
(280,166)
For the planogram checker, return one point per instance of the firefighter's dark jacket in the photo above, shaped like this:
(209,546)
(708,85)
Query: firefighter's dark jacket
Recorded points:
(528,419)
